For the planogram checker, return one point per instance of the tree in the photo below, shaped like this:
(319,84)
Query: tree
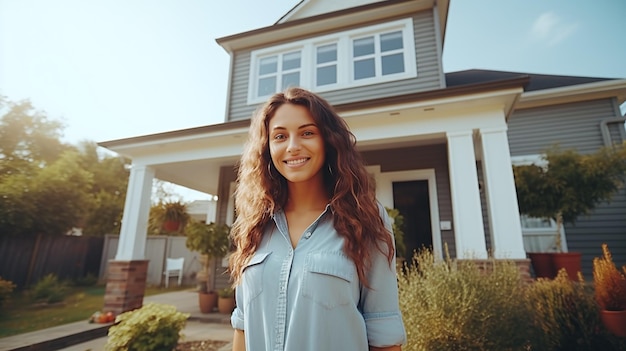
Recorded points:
(570,184)
(28,139)
(50,201)
(48,187)
(108,191)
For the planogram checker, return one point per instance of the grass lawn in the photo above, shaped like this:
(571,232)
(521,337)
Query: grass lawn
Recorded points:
(20,315)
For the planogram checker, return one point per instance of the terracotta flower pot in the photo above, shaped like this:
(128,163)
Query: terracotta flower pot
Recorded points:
(225,305)
(207,302)
(171,226)
(542,263)
(570,261)
(615,322)
(548,264)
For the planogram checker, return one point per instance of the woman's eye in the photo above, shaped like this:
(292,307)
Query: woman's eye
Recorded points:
(279,137)
(307,133)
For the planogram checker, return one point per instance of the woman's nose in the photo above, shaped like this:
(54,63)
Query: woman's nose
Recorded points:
(294,145)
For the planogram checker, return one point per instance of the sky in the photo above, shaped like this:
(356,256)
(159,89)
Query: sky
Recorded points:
(113,69)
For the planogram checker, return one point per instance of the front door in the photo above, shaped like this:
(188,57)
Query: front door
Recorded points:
(411,199)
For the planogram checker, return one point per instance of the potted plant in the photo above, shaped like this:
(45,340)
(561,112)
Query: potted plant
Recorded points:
(211,241)
(174,216)
(226,300)
(567,186)
(610,292)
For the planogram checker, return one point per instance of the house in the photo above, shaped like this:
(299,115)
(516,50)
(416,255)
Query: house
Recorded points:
(440,145)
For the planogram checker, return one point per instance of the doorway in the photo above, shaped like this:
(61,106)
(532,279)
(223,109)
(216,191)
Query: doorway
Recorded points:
(411,198)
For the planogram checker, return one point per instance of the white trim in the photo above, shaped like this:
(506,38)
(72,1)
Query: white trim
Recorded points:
(384,193)
(527,160)
(230,207)
(344,64)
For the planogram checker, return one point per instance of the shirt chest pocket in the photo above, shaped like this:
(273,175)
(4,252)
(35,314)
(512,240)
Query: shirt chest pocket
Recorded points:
(252,277)
(328,279)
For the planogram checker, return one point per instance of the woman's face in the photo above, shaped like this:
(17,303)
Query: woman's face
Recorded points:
(296,144)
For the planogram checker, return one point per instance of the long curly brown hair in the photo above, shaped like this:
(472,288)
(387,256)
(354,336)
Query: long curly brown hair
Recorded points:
(261,189)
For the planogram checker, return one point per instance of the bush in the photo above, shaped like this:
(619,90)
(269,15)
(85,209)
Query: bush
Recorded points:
(150,328)
(89,280)
(226,292)
(452,305)
(610,282)
(6,288)
(564,315)
(49,289)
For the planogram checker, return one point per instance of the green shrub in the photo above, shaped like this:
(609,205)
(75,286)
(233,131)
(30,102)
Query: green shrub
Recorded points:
(226,292)
(564,316)
(150,328)
(452,305)
(89,280)
(6,288)
(49,289)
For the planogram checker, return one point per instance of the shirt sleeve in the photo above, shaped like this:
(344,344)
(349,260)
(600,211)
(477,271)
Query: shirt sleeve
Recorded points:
(236,318)
(379,303)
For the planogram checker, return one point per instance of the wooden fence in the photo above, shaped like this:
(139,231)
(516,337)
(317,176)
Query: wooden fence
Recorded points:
(25,260)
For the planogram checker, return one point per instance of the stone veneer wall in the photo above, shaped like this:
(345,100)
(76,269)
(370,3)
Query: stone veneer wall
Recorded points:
(126,285)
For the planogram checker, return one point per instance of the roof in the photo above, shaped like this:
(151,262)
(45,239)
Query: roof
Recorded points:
(536,81)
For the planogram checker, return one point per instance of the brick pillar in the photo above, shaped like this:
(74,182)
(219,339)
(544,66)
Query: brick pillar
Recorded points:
(126,285)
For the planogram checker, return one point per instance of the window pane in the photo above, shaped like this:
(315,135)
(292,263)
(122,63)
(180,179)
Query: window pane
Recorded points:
(291,60)
(393,64)
(534,222)
(364,69)
(267,86)
(391,41)
(268,65)
(326,75)
(291,80)
(363,46)
(327,53)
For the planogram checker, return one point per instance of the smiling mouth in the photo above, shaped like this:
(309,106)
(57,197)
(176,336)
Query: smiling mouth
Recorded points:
(296,162)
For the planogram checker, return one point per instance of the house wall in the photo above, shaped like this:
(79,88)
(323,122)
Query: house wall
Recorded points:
(578,126)
(424,157)
(429,73)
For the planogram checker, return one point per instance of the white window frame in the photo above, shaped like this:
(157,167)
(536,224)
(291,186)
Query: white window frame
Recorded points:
(345,61)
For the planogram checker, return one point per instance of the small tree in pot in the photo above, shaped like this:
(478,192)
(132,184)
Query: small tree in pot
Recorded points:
(569,185)
(211,241)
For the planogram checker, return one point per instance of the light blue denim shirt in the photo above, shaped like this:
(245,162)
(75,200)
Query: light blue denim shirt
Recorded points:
(310,298)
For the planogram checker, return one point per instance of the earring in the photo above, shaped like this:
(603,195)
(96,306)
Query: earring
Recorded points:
(330,170)
(269,170)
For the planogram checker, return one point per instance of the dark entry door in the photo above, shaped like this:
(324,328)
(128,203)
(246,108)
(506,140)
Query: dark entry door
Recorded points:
(411,199)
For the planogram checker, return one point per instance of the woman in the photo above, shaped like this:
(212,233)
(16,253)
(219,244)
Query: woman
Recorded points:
(314,266)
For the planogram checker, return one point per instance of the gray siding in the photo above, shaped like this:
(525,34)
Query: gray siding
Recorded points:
(577,126)
(428,74)
(424,157)
(574,125)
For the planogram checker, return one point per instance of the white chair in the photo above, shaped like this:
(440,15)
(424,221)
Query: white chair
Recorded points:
(173,268)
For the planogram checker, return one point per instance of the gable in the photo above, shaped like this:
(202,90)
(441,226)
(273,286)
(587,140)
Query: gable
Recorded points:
(310,8)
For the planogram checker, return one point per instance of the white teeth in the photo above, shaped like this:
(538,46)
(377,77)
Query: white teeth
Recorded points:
(296,162)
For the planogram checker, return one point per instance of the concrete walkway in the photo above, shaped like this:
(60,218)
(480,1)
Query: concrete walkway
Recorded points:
(84,336)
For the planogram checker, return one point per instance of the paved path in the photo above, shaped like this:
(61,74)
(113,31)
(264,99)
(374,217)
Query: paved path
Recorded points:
(213,326)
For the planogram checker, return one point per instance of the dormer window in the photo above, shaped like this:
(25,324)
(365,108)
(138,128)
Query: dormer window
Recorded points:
(281,70)
(364,56)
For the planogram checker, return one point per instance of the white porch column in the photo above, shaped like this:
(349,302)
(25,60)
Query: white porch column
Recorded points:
(469,234)
(132,243)
(504,220)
